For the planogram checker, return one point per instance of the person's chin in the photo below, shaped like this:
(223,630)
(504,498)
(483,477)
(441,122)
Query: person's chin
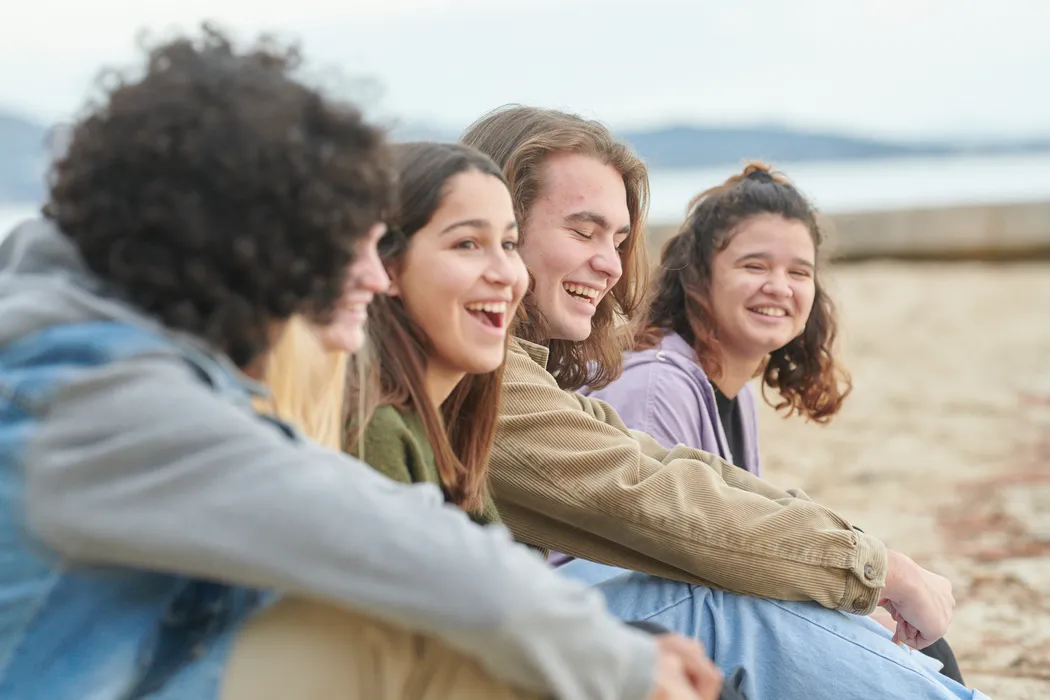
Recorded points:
(575,332)
(349,341)
(765,346)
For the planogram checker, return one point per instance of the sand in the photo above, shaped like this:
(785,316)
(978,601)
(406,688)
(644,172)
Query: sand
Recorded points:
(943,449)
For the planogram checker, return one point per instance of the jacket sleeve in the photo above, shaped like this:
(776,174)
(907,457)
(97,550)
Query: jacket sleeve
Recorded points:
(569,476)
(138,464)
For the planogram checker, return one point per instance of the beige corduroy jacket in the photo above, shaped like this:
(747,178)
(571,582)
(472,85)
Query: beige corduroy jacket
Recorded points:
(568,475)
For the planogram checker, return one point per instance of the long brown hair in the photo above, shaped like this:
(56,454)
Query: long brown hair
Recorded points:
(804,372)
(462,431)
(521,140)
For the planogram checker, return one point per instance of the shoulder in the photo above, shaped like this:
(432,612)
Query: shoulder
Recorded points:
(529,352)
(387,419)
(388,429)
(526,366)
(670,362)
(393,443)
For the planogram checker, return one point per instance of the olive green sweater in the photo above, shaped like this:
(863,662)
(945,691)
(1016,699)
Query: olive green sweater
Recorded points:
(395,444)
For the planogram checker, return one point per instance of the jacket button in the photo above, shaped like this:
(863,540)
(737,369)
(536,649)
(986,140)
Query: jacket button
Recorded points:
(869,572)
(861,604)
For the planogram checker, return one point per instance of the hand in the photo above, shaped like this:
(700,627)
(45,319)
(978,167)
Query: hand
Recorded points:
(683,671)
(884,618)
(920,602)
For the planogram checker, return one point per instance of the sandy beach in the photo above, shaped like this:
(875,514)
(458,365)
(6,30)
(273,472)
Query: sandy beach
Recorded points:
(943,449)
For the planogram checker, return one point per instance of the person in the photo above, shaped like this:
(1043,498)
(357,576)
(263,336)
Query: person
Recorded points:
(738,294)
(156,524)
(569,476)
(439,334)
(438,337)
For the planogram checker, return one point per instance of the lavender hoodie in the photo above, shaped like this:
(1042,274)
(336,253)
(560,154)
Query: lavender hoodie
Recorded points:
(664,392)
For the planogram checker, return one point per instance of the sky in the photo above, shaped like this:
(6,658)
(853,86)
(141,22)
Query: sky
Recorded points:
(905,69)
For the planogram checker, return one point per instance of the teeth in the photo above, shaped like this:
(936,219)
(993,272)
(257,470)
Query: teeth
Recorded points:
(581,290)
(492,307)
(769,311)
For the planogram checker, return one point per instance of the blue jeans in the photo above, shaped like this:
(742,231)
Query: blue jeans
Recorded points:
(788,650)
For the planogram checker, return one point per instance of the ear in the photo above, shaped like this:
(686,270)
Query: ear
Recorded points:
(393,272)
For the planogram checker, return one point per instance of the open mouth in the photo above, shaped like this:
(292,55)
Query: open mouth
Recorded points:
(489,313)
(771,311)
(578,291)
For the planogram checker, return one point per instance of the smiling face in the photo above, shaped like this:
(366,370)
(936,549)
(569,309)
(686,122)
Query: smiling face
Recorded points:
(461,278)
(571,241)
(365,278)
(762,286)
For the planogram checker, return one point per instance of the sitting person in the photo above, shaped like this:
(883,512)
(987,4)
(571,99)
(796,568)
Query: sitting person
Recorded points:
(158,533)
(439,336)
(731,560)
(737,295)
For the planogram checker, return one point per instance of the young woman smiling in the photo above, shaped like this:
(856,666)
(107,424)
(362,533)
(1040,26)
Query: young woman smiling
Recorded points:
(439,335)
(737,295)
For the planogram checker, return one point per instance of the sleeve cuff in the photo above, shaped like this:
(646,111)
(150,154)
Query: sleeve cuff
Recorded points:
(867,578)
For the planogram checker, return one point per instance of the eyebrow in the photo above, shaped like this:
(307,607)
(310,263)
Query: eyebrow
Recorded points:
(475,224)
(590,217)
(766,257)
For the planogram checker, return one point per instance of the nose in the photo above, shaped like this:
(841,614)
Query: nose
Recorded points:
(778,285)
(368,274)
(504,270)
(607,263)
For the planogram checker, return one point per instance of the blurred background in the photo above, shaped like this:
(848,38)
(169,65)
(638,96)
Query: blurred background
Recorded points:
(921,128)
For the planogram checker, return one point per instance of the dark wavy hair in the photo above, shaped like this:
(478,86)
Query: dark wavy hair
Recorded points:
(462,432)
(804,371)
(521,140)
(219,194)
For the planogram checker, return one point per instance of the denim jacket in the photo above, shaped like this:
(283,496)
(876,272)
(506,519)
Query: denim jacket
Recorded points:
(74,630)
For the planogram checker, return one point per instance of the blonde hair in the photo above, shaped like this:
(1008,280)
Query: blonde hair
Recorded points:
(308,384)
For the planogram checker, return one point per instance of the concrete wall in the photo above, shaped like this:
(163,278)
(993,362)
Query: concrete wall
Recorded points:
(980,232)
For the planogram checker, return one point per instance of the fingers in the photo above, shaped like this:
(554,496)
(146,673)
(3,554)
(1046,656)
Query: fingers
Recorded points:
(670,680)
(907,633)
(922,642)
(703,676)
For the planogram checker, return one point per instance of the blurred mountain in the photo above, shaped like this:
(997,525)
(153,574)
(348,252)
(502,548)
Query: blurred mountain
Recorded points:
(24,148)
(23,158)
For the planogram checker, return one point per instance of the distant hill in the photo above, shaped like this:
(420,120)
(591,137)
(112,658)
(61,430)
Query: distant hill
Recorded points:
(700,146)
(23,148)
(690,147)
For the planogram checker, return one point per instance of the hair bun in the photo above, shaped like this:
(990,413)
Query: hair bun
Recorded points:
(757,173)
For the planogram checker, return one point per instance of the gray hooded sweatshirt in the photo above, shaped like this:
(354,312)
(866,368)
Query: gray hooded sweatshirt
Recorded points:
(138,464)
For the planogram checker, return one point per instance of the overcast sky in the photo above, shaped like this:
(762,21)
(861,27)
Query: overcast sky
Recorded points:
(898,68)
